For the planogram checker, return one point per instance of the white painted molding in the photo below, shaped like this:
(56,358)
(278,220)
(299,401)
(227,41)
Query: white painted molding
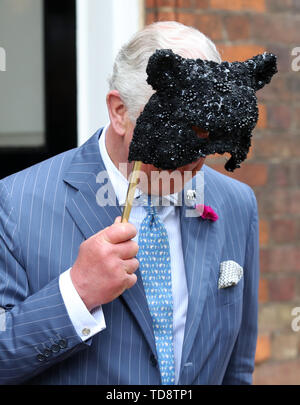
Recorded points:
(102,28)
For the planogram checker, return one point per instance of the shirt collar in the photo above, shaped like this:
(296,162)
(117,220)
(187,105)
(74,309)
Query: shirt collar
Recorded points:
(120,183)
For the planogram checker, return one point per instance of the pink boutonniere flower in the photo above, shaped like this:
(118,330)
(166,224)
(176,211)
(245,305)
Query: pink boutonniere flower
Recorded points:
(206,212)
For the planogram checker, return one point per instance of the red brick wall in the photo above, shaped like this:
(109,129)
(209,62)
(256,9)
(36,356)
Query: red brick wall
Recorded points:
(242,29)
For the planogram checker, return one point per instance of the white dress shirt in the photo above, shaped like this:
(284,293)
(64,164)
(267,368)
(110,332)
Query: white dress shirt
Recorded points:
(87,324)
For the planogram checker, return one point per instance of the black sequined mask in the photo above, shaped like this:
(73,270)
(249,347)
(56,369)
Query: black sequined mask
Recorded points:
(196,94)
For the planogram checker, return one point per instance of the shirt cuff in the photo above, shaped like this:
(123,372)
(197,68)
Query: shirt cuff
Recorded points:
(86,323)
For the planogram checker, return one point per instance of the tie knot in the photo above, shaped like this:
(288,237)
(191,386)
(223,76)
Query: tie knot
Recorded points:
(150,208)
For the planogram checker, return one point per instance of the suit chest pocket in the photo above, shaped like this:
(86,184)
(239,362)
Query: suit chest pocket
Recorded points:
(229,295)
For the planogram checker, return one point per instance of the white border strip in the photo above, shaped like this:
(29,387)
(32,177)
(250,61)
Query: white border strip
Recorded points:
(102,28)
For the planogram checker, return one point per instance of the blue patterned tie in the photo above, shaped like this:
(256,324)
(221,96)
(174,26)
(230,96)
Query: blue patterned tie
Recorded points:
(155,268)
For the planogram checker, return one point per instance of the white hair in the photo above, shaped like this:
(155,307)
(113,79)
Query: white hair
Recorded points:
(129,71)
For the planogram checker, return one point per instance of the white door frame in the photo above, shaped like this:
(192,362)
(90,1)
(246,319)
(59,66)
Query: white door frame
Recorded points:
(102,28)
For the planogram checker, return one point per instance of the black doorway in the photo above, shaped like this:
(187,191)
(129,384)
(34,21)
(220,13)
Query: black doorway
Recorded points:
(59,96)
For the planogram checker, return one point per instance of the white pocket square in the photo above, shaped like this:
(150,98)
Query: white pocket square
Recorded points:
(230,274)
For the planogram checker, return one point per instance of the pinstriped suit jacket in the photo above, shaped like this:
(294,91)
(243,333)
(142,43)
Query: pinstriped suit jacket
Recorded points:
(46,212)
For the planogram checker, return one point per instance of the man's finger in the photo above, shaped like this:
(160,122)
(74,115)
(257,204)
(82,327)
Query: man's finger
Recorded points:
(127,250)
(118,220)
(119,232)
(131,265)
(131,280)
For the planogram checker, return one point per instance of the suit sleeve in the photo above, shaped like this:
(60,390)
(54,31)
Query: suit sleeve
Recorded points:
(36,331)
(241,364)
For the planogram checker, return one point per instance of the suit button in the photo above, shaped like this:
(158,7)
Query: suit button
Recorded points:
(55,348)
(153,360)
(47,352)
(62,343)
(41,357)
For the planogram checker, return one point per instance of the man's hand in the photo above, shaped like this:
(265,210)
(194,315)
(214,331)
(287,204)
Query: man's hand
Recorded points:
(105,265)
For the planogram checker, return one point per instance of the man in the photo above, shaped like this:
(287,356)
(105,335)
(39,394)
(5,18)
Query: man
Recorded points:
(73,281)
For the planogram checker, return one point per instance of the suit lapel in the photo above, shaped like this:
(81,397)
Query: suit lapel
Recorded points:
(199,245)
(91,188)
